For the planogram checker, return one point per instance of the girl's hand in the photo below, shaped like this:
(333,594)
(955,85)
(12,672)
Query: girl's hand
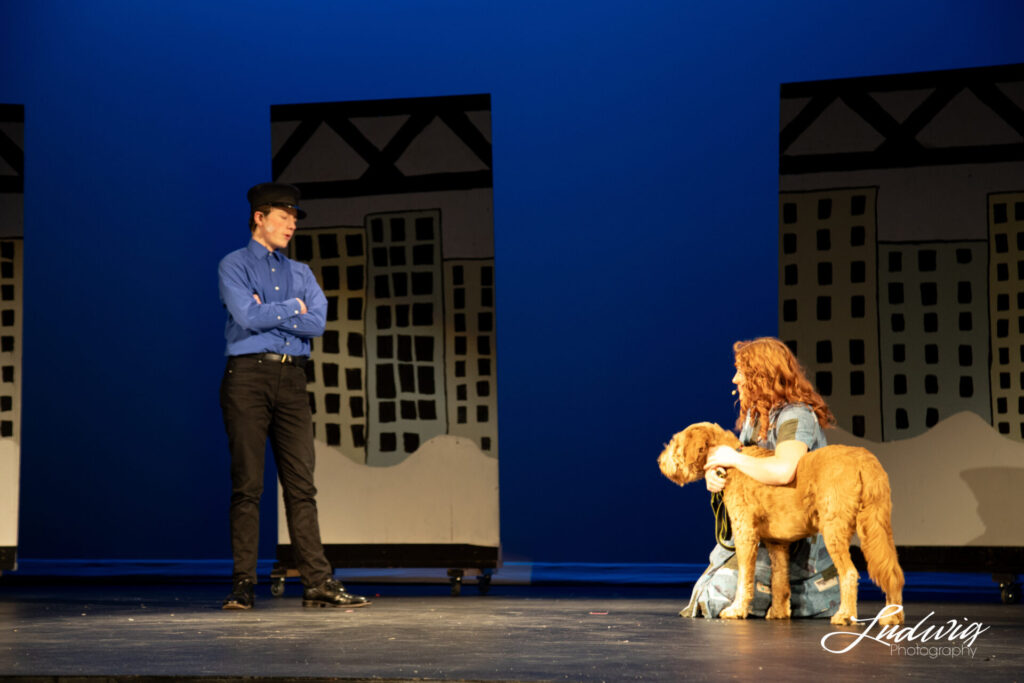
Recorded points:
(714,482)
(723,456)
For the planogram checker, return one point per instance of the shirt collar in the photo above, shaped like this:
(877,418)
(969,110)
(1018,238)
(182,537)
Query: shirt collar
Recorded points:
(260,252)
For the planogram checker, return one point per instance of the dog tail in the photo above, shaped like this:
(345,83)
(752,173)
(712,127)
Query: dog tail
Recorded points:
(874,527)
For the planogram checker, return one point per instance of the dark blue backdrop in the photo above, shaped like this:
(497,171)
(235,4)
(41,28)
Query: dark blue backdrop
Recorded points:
(635,152)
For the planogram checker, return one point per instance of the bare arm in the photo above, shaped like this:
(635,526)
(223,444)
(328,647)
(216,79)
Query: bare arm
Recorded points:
(777,469)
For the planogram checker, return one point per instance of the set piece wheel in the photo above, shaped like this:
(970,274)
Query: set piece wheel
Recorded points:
(456,576)
(1009,587)
(455,580)
(1010,593)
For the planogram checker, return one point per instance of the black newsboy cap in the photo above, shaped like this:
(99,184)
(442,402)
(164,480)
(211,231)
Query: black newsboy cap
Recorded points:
(281,195)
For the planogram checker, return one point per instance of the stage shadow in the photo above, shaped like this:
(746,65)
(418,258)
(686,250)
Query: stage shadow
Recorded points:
(1000,504)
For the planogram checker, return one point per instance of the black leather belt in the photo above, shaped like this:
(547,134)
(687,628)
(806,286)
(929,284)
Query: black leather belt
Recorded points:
(299,361)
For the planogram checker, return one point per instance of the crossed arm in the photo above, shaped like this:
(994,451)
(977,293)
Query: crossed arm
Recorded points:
(302,317)
(302,303)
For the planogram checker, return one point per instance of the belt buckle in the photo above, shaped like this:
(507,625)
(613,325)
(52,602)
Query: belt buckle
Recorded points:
(285,358)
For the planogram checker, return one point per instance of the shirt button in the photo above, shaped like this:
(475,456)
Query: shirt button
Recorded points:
(287,343)
(295,326)
(296,312)
(278,317)
(273,270)
(276,288)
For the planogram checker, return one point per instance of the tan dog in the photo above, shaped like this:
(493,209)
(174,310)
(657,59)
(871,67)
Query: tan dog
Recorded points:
(837,490)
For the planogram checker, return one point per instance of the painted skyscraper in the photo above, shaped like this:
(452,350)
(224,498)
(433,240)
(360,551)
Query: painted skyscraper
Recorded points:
(403,384)
(12,189)
(901,289)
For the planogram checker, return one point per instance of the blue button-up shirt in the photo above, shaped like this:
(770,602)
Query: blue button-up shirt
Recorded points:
(277,324)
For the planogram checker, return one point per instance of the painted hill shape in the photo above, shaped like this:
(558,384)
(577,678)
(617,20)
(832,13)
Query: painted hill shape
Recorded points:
(958,484)
(445,492)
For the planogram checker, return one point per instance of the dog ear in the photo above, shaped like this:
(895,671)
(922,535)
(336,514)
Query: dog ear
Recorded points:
(699,441)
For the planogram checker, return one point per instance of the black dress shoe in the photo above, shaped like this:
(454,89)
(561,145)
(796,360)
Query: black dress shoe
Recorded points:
(331,593)
(241,595)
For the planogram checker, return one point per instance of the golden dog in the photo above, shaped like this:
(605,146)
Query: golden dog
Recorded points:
(836,490)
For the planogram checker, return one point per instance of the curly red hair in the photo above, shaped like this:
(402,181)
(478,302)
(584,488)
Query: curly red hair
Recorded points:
(773,376)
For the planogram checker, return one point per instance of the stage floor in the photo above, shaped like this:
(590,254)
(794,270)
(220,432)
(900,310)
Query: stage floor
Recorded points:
(516,633)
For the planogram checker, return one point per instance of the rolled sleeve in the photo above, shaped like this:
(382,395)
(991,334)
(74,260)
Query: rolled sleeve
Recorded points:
(799,423)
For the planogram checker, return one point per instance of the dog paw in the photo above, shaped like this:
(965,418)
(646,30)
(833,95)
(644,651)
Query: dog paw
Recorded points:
(781,613)
(843,618)
(892,620)
(733,612)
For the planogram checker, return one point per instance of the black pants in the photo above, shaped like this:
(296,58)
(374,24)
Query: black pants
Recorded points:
(261,399)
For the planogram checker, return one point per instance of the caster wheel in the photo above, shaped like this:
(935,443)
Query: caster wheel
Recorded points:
(1010,593)
(484,584)
(277,587)
(456,582)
